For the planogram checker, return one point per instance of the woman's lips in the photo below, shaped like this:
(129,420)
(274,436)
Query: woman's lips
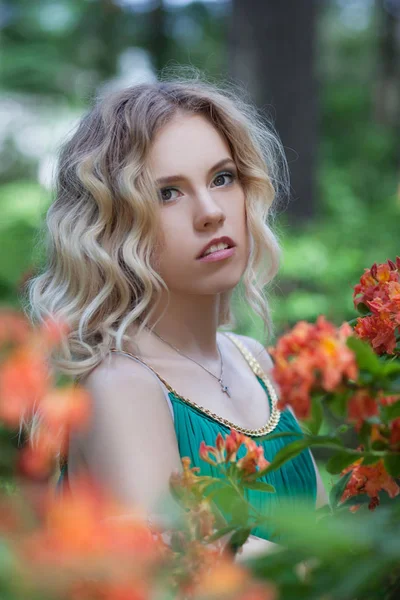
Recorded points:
(218,255)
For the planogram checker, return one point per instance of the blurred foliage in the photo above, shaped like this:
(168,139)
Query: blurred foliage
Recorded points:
(358,180)
(63,51)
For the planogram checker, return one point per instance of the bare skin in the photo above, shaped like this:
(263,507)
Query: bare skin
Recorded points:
(208,203)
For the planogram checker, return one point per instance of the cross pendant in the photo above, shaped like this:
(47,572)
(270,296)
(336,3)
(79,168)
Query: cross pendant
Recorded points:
(224,388)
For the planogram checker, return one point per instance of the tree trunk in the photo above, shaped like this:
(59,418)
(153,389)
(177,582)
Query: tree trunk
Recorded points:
(271,51)
(158,41)
(387,93)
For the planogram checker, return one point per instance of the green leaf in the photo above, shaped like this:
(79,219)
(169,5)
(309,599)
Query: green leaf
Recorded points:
(239,538)
(224,497)
(370,459)
(314,423)
(280,434)
(379,445)
(392,464)
(294,448)
(202,484)
(391,368)
(360,499)
(365,434)
(366,357)
(338,404)
(240,512)
(391,412)
(323,511)
(220,533)
(259,485)
(337,490)
(340,461)
(363,309)
(395,385)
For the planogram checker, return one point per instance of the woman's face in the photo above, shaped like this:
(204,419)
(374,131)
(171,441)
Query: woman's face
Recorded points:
(202,200)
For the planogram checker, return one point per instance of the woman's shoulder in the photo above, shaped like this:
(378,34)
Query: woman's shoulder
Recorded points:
(120,375)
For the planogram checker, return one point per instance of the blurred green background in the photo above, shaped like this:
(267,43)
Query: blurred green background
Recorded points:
(327,72)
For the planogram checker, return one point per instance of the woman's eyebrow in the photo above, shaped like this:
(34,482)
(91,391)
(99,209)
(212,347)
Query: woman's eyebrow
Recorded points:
(174,178)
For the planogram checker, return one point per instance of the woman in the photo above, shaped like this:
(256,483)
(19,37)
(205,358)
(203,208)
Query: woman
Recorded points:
(163,196)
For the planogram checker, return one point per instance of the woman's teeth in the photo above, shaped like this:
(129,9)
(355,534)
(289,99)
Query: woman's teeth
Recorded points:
(216,247)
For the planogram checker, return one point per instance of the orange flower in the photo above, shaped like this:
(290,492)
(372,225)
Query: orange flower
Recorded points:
(52,331)
(361,406)
(203,518)
(373,282)
(232,444)
(379,290)
(253,458)
(394,440)
(388,434)
(379,331)
(65,409)
(370,480)
(14,327)
(224,578)
(88,546)
(260,591)
(88,524)
(187,478)
(61,411)
(37,462)
(25,376)
(24,380)
(388,400)
(205,451)
(311,357)
(135,589)
(227,449)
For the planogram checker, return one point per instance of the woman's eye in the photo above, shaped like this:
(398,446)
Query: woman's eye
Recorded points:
(221,178)
(166,194)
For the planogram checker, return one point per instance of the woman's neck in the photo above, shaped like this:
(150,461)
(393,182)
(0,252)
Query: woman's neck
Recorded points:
(189,323)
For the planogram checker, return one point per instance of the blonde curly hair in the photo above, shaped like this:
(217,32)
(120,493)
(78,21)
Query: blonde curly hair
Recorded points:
(100,230)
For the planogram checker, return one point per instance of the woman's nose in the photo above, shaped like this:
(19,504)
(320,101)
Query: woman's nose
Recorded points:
(208,213)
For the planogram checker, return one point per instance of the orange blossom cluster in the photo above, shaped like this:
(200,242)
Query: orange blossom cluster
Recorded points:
(379,291)
(225,451)
(312,358)
(27,388)
(370,480)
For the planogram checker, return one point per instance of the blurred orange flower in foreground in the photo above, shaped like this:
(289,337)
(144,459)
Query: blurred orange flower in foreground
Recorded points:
(25,375)
(225,579)
(60,411)
(27,388)
(14,327)
(89,546)
(24,379)
(89,523)
(312,358)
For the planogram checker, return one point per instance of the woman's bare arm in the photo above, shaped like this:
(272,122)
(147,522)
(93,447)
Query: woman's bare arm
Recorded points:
(130,446)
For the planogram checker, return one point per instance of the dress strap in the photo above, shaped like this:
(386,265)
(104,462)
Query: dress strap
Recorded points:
(164,386)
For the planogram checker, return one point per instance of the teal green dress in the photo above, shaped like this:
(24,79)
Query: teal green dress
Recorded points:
(294,481)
